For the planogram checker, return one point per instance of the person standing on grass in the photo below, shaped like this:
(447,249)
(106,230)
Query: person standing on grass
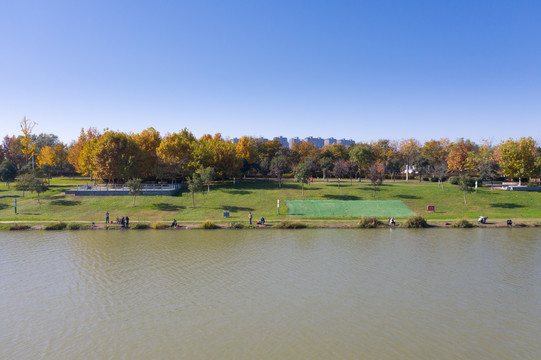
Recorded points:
(107,217)
(250,217)
(127,221)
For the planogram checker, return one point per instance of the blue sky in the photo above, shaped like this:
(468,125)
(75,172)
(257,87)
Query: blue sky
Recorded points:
(346,69)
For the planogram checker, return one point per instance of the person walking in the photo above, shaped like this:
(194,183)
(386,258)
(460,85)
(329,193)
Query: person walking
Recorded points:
(127,221)
(107,217)
(250,217)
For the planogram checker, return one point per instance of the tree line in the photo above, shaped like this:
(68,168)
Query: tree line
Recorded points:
(115,156)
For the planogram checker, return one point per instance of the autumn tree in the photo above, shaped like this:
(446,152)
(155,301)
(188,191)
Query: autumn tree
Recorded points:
(409,149)
(148,142)
(340,169)
(116,157)
(376,174)
(458,153)
(326,164)
(12,149)
(28,145)
(176,150)
(436,152)
(517,158)
(75,150)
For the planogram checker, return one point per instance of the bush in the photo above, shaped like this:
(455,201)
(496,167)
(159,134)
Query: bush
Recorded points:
(76,226)
(291,225)
(414,222)
(426,179)
(369,222)
(141,226)
(156,225)
(434,179)
(57,226)
(16,227)
(453,180)
(236,226)
(462,224)
(209,225)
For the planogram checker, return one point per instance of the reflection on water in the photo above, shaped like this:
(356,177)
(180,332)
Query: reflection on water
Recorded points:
(274,294)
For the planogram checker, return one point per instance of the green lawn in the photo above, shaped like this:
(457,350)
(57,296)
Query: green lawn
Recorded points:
(259,197)
(345,208)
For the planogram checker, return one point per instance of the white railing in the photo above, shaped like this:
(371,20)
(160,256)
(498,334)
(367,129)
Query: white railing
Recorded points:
(117,187)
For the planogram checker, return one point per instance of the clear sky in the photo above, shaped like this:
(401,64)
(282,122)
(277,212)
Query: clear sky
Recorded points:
(346,69)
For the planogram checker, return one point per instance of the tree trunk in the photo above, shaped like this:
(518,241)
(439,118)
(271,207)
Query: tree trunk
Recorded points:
(302,187)
(339,183)
(407,172)
(38,197)
(465,198)
(208,188)
(193,200)
(134,199)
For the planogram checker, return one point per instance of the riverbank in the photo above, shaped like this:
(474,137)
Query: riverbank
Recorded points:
(298,224)
(260,198)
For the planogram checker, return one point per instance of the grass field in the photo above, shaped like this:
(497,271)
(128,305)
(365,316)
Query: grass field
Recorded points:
(347,208)
(259,197)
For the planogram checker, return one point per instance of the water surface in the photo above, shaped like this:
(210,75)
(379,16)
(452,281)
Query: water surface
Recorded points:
(273,294)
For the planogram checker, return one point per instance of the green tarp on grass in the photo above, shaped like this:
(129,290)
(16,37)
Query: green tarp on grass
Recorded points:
(338,208)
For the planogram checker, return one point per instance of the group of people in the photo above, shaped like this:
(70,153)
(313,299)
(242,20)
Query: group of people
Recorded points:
(124,222)
(260,222)
(391,221)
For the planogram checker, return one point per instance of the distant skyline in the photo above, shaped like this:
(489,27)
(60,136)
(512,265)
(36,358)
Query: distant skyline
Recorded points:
(363,70)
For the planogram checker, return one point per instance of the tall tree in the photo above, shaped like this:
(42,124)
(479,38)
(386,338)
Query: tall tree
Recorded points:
(362,156)
(28,144)
(465,184)
(148,142)
(458,153)
(409,149)
(517,158)
(116,157)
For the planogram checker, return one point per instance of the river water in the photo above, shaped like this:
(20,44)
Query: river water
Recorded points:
(271,294)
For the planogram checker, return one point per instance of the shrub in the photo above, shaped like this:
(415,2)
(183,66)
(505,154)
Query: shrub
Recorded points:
(291,225)
(16,227)
(156,225)
(57,226)
(415,221)
(462,224)
(453,180)
(434,179)
(141,226)
(209,225)
(236,226)
(77,226)
(369,222)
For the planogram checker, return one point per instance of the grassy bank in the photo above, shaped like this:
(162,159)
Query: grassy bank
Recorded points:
(259,197)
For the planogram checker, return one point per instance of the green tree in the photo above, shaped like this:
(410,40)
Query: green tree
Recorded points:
(23,182)
(8,171)
(136,187)
(466,184)
(279,165)
(362,156)
(194,185)
(302,175)
(207,176)
(326,164)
